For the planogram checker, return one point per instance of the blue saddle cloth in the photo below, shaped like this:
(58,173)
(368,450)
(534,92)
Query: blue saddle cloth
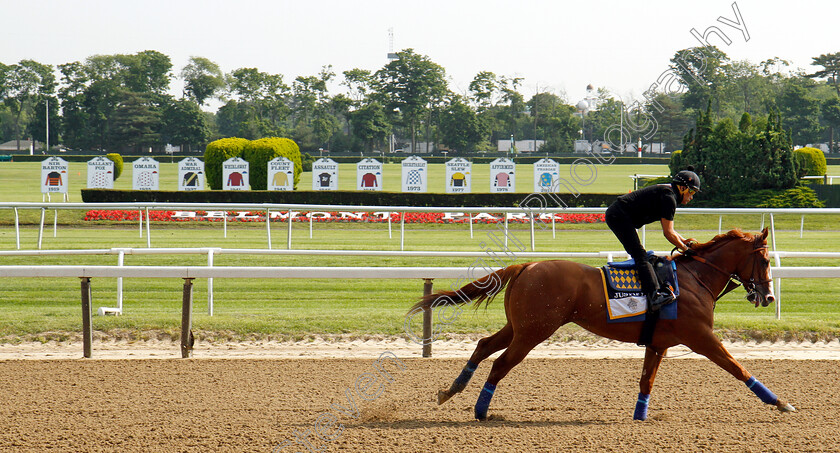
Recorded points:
(623,292)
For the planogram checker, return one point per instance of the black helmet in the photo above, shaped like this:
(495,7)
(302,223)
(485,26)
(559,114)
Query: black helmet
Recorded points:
(687,178)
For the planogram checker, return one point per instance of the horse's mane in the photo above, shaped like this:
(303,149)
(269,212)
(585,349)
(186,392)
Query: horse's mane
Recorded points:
(729,235)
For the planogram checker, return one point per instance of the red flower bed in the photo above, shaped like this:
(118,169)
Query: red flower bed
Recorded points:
(326,217)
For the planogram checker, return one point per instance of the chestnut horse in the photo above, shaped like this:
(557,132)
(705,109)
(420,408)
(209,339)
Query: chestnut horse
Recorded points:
(542,296)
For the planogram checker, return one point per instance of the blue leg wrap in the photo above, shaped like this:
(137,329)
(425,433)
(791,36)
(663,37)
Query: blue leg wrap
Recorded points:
(483,402)
(761,391)
(464,378)
(641,407)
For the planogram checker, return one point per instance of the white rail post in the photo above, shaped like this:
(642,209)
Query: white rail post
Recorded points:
(553,228)
(720,224)
(390,235)
(778,264)
(148,229)
(471,226)
(268,227)
(644,236)
(506,229)
(762,222)
(402,231)
(55,224)
(531,217)
(17,228)
(210,284)
(120,262)
(41,228)
(224,222)
(290,217)
(802,226)
(140,214)
(310,225)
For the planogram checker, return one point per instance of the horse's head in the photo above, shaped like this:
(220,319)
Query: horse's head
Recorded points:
(754,271)
(744,257)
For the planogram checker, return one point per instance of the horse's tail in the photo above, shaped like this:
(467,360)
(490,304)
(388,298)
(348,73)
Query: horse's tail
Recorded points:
(484,290)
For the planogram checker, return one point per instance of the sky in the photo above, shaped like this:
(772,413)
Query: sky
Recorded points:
(555,46)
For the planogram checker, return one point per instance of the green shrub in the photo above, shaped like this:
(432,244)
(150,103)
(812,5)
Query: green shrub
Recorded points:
(676,162)
(118,164)
(259,152)
(216,153)
(797,197)
(810,162)
(306,162)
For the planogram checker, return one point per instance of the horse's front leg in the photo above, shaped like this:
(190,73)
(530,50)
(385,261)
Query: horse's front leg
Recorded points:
(711,347)
(653,358)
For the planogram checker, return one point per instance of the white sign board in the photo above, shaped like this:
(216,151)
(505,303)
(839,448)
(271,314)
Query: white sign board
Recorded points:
(100,173)
(55,173)
(190,174)
(458,175)
(415,172)
(502,175)
(235,174)
(145,174)
(369,174)
(324,174)
(281,174)
(546,176)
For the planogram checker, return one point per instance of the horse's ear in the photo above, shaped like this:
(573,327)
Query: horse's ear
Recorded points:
(764,234)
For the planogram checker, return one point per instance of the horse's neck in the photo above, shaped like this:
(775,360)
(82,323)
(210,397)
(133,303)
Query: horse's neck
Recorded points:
(721,263)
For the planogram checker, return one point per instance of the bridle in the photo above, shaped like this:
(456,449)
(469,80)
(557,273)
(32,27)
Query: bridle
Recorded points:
(735,280)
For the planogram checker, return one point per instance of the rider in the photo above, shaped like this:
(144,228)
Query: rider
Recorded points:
(659,202)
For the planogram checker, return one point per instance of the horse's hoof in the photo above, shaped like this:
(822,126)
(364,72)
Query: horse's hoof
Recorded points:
(443,396)
(785,407)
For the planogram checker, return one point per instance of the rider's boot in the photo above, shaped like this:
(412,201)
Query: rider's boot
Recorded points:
(656,296)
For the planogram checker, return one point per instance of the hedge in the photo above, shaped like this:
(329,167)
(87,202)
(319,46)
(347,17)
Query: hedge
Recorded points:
(259,152)
(810,162)
(349,198)
(118,164)
(216,153)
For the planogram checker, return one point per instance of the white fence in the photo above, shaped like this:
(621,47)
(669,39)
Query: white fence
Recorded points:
(535,208)
(188,273)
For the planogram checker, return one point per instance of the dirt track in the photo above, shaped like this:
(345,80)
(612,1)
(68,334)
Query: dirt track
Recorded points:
(545,405)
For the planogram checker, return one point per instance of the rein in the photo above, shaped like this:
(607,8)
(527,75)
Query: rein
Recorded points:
(734,279)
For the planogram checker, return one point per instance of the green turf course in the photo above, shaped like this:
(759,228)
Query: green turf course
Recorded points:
(39,308)
(20,181)
(49,309)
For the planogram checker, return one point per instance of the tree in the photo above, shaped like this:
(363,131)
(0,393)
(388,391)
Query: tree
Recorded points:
(136,124)
(409,84)
(484,90)
(831,116)
(462,129)
(146,72)
(370,125)
(183,123)
(730,161)
(699,70)
(800,110)
(25,84)
(359,83)
(263,96)
(831,69)
(203,79)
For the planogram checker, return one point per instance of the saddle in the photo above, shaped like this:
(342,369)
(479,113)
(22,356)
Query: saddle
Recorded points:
(623,292)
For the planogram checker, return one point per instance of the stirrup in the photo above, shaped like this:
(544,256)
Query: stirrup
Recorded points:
(661,298)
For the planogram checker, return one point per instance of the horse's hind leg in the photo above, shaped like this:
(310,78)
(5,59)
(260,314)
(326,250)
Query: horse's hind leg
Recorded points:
(486,347)
(515,353)
(652,360)
(711,347)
